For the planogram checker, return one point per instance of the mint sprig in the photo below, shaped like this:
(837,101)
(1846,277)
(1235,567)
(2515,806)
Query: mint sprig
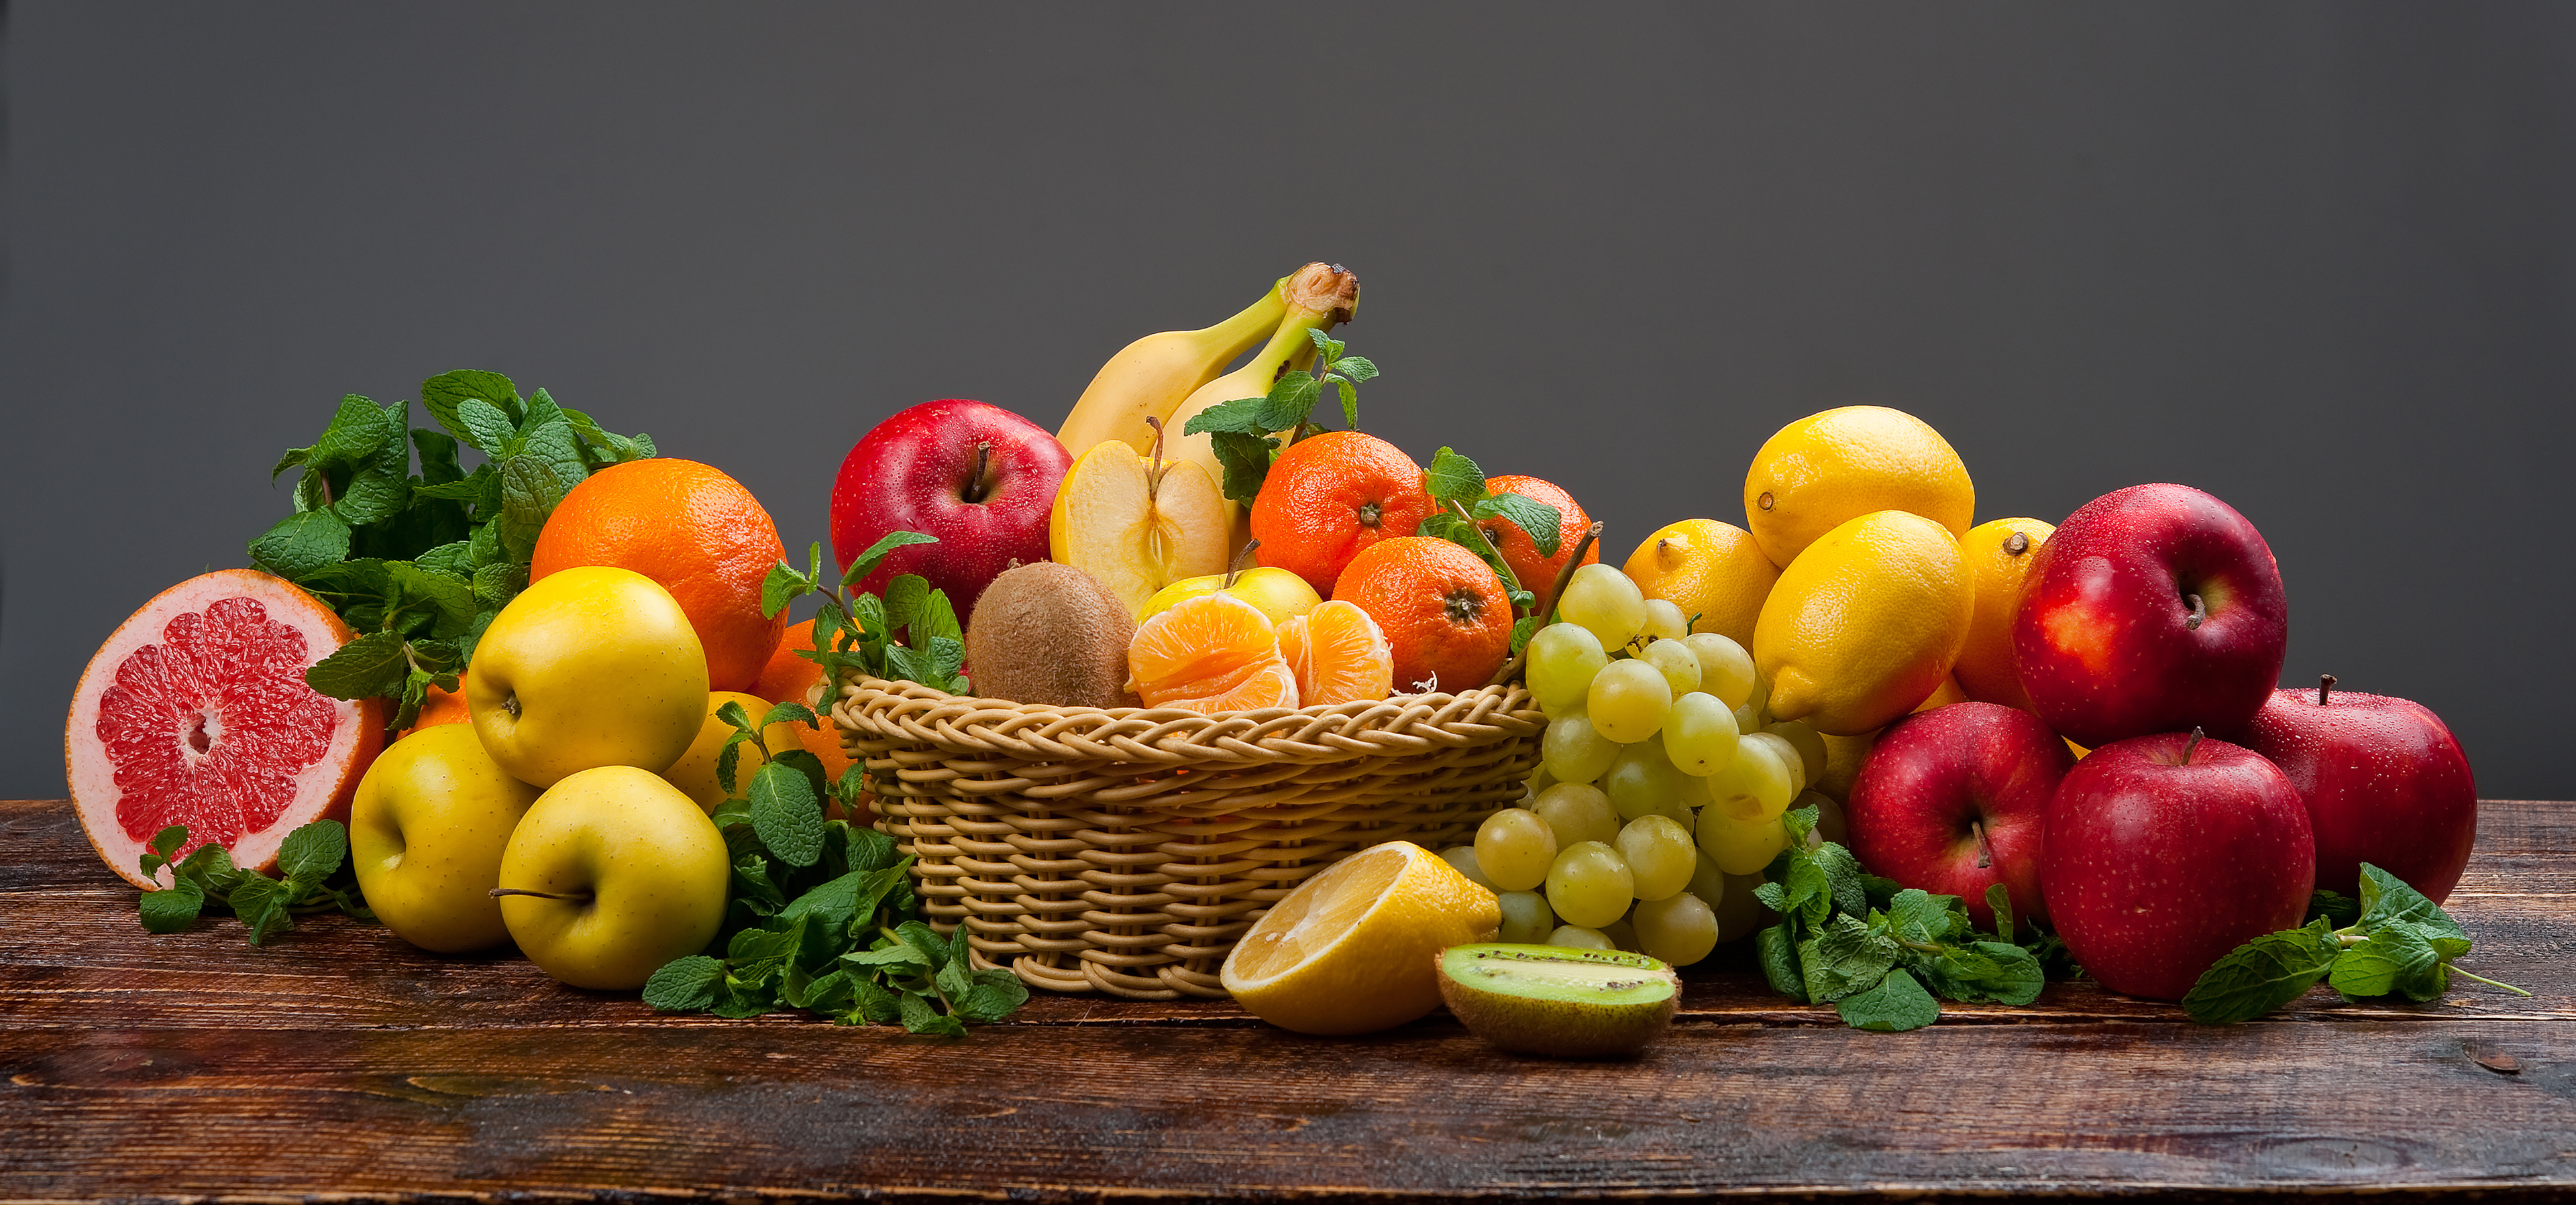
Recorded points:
(820,914)
(1243,432)
(418,563)
(1880,953)
(313,873)
(1457,486)
(2398,942)
(908,634)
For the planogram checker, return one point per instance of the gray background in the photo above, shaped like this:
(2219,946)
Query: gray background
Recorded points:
(2315,259)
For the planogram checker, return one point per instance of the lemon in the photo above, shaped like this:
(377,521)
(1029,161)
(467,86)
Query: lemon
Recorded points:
(1999,557)
(1355,949)
(1865,623)
(1713,571)
(1827,469)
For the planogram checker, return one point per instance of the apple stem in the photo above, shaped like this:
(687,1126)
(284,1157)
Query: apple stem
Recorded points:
(2193,743)
(1235,570)
(977,489)
(2325,686)
(2199,613)
(584,896)
(1154,458)
(1985,851)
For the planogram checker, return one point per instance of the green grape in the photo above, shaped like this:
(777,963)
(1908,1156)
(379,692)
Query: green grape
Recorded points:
(1708,882)
(1527,920)
(1748,718)
(1665,621)
(1620,934)
(1574,751)
(1679,665)
(1538,780)
(1558,711)
(1514,847)
(1580,938)
(1786,752)
(1681,929)
(1603,600)
(1830,825)
(1576,812)
(1562,659)
(1739,846)
(1589,885)
(1643,782)
(1660,856)
(1810,747)
(1725,669)
(1464,858)
(1628,700)
(1753,787)
(1699,734)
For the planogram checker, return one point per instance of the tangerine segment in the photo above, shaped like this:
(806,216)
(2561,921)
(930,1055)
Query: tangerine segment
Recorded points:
(1538,573)
(1330,497)
(1338,654)
(1203,648)
(1443,611)
(1268,684)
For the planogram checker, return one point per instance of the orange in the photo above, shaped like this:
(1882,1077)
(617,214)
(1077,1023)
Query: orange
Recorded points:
(1999,556)
(1209,654)
(1443,610)
(1338,655)
(694,531)
(1538,573)
(1330,497)
(441,707)
(790,677)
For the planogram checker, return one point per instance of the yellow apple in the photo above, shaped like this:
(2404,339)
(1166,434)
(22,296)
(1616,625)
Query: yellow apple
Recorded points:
(1136,525)
(426,830)
(588,667)
(695,772)
(611,874)
(1280,593)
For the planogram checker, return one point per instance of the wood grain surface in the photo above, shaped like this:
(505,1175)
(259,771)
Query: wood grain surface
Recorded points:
(339,1063)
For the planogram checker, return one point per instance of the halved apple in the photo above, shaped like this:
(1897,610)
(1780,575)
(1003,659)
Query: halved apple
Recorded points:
(1138,525)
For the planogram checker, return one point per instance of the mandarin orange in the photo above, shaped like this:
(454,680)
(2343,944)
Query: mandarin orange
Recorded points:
(1331,496)
(1338,655)
(693,530)
(1538,573)
(1443,610)
(1209,654)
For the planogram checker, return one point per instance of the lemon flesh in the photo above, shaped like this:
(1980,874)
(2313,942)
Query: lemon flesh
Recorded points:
(1353,949)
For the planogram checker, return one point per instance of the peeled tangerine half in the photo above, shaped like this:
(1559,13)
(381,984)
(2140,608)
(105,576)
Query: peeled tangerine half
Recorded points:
(196,712)
(1136,525)
(1338,655)
(1209,654)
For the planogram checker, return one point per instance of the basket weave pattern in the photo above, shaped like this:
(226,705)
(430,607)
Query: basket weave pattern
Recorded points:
(1124,851)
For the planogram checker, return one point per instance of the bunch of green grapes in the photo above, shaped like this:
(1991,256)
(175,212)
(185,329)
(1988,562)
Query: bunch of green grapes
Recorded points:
(1662,778)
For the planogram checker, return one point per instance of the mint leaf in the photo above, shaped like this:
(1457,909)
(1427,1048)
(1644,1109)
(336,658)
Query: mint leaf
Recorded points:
(442,394)
(2336,907)
(1999,902)
(786,815)
(1847,957)
(172,908)
(373,496)
(301,544)
(2386,898)
(487,428)
(529,491)
(1538,520)
(919,1017)
(313,851)
(994,995)
(447,597)
(783,586)
(371,665)
(685,985)
(1359,369)
(1242,416)
(2262,975)
(1246,461)
(876,554)
(1453,478)
(936,620)
(2394,955)
(1896,1004)
(2018,979)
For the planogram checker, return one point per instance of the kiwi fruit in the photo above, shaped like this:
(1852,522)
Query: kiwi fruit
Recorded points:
(1558,1000)
(1051,634)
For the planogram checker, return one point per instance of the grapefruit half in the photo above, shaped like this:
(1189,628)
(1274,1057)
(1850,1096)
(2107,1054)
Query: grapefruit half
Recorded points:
(196,712)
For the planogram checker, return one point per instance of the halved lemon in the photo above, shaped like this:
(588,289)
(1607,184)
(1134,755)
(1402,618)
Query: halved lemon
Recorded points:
(1356,948)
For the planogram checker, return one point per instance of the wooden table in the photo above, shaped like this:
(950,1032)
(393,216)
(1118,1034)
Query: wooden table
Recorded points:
(339,1062)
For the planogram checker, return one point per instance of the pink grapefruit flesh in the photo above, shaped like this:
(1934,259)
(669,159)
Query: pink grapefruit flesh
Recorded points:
(196,712)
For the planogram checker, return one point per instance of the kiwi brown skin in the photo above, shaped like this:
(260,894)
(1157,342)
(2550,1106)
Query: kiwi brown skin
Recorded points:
(1559,1028)
(1050,634)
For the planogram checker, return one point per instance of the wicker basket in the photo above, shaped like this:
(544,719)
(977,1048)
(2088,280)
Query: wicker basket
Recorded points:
(1124,851)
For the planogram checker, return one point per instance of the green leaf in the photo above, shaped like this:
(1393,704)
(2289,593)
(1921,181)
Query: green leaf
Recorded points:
(1350,403)
(313,851)
(1453,478)
(1242,416)
(172,908)
(356,436)
(937,620)
(953,979)
(876,554)
(893,956)
(301,544)
(529,491)
(2396,955)
(438,465)
(903,598)
(260,902)
(1523,628)
(293,458)
(1779,958)
(1999,902)
(1920,916)
(1536,519)
(441,395)
(994,996)
(487,428)
(1843,873)
(786,815)
(456,557)
(1896,1004)
(449,597)
(2262,975)
(1246,461)
(2386,898)
(2019,978)
(1291,402)
(1847,956)
(1359,369)
(685,985)
(919,1017)
(874,1002)
(497,583)
(783,586)
(870,849)
(364,668)
(373,496)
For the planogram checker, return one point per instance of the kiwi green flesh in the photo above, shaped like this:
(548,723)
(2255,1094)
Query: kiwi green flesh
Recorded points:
(1559,1001)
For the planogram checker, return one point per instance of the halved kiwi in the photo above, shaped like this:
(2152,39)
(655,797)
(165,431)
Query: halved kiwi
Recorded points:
(1559,1000)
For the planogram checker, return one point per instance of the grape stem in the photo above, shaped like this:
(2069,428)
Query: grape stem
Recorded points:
(1565,573)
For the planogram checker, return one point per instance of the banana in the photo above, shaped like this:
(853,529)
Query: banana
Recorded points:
(1153,375)
(1317,297)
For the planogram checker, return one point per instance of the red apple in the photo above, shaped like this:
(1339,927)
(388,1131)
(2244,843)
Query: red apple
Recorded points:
(2384,781)
(1955,800)
(2156,608)
(978,477)
(2165,852)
